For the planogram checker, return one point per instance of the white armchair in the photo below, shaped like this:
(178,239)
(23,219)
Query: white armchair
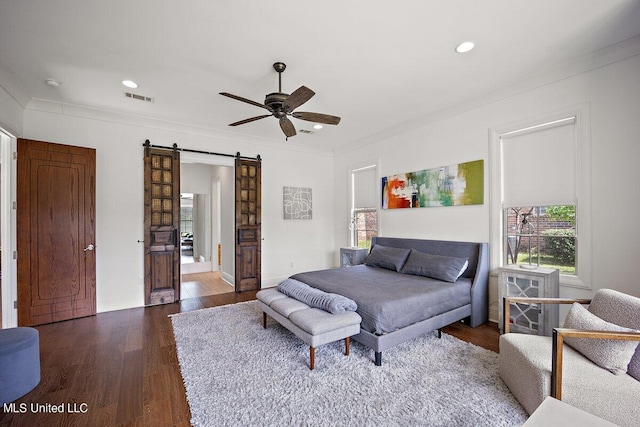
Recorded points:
(601,340)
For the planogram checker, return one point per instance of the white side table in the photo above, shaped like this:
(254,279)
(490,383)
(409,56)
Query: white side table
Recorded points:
(352,256)
(538,319)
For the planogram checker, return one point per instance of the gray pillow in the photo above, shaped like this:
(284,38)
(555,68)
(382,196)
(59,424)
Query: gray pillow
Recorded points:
(439,267)
(612,355)
(387,257)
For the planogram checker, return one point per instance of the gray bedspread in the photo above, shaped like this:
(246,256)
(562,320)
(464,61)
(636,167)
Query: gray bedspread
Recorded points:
(387,300)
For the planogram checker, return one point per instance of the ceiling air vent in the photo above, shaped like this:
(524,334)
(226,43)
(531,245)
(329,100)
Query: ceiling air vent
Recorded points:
(138,97)
(305,131)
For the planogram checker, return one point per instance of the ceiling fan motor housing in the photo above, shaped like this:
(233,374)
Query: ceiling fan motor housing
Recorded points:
(274,101)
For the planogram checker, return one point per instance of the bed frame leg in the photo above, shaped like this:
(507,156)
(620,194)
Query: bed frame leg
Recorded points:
(264,320)
(312,358)
(439,333)
(378,358)
(347,341)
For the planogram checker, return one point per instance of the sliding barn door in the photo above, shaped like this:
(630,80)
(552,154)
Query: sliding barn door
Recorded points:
(162,226)
(56,220)
(248,210)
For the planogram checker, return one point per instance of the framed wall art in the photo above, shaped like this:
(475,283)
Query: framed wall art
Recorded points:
(453,185)
(297,203)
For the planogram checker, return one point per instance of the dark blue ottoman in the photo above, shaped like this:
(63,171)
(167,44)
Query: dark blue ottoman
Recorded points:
(19,362)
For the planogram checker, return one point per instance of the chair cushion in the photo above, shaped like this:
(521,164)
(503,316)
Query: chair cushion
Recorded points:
(287,306)
(623,310)
(315,321)
(613,355)
(525,366)
(270,295)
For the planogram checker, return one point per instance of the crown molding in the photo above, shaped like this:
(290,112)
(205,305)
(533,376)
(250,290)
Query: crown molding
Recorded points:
(73,110)
(10,83)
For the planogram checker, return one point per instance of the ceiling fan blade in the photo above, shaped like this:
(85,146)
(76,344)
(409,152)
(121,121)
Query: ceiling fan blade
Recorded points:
(297,98)
(317,117)
(248,101)
(287,127)
(252,119)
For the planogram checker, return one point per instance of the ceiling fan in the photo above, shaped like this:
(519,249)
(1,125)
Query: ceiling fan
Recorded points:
(281,105)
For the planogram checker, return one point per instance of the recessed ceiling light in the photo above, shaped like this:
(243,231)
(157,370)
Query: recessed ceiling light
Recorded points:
(130,83)
(317,126)
(52,82)
(465,47)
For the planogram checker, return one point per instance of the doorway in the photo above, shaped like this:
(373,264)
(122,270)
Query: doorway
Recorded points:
(8,280)
(206,225)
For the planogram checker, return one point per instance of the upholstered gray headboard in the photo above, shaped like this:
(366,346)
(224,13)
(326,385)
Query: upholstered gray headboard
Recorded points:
(477,271)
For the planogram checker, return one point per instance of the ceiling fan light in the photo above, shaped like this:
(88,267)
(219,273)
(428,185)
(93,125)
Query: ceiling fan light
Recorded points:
(465,47)
(317,126)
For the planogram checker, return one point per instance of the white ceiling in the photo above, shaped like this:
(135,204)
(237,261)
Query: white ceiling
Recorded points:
(377,64)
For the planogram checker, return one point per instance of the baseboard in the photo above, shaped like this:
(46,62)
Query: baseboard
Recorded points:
(227,278)
(106,306)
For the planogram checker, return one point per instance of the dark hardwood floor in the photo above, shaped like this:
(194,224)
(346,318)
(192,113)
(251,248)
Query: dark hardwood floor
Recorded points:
(121,368)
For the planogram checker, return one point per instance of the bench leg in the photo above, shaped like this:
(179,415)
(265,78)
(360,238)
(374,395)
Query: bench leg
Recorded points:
(378,358)
(347,341)
(312,358)
(264,320)
(439,333)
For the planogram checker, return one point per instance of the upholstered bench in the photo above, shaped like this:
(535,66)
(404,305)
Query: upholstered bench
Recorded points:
(313,326)
(19,362)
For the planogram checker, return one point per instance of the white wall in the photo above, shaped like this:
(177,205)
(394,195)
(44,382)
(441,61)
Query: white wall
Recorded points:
(227,224)
(292,246)
(119,204)
(613,95)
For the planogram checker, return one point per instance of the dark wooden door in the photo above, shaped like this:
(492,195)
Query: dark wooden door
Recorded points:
(162,226)
(56,232)
(248,210)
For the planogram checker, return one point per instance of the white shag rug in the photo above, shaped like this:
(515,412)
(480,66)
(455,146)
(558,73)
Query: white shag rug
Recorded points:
(238,374)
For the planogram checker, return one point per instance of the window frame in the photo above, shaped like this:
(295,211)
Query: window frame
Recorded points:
(534,216)
(351,170)
(584,251)
(356,230)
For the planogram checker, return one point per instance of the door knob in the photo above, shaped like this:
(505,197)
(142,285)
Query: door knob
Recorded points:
(89,248)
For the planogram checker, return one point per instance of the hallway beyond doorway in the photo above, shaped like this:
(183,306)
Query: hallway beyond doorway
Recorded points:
(203,284)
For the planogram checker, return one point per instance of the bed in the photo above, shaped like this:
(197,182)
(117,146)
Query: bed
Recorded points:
(398,296)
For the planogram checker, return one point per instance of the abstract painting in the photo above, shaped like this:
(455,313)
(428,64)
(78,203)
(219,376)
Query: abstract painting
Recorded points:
(453,185)
(296,203)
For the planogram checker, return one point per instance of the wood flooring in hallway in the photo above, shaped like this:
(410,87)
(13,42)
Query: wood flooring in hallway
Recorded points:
(203,284)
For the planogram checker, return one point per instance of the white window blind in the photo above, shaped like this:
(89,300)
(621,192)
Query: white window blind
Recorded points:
(539,165)
(365,194)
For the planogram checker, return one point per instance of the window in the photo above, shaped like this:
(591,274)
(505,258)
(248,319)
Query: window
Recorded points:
(540,169)
(542,235)
(364,206)
(186,213)
(365,226)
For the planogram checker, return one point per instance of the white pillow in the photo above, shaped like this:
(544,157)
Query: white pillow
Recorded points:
(612,355)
